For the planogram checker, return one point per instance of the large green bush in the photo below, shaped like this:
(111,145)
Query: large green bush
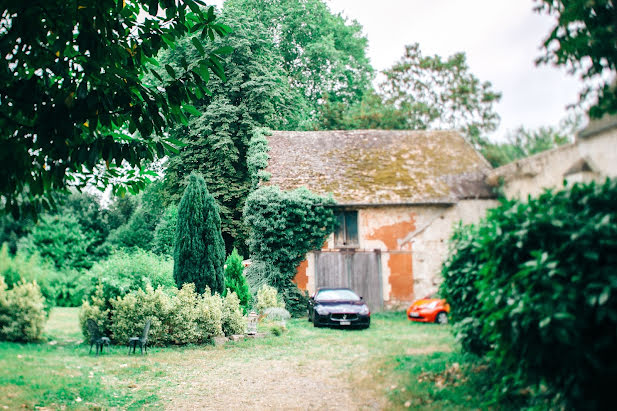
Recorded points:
(177,317)
(545,275)
(59,287)
(60,240)
(22,314)
(460,273)
(283,227)
(124,272)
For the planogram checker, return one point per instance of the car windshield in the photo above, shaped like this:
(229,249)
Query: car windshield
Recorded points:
(336,295)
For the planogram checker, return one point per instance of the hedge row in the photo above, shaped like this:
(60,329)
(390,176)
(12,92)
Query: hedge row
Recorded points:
(534,288)
(184,317)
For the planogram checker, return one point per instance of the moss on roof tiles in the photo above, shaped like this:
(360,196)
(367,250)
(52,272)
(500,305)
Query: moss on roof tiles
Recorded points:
(375,166)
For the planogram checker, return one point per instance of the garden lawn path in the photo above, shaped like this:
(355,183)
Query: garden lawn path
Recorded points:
(310,369)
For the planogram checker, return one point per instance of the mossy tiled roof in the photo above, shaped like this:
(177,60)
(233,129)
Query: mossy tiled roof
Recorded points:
(378,166)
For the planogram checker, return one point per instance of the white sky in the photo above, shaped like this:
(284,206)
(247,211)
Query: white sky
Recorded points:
(501,39)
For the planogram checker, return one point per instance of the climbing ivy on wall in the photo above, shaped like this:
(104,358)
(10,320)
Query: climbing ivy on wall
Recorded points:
(283,226)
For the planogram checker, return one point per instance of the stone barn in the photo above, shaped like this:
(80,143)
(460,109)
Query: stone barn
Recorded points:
(398,194)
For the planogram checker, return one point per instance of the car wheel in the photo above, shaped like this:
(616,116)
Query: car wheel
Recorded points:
(315,322)
(308,315)
(442,318)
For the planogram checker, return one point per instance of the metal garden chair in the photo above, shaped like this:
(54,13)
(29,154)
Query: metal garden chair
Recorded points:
(96,337)
(141,341)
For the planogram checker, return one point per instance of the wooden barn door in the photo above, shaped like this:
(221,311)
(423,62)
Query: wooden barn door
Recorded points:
(358,270)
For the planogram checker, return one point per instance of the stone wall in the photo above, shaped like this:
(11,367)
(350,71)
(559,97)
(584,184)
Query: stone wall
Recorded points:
(592,157)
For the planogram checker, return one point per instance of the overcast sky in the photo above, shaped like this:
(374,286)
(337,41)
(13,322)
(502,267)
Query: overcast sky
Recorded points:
(501,39)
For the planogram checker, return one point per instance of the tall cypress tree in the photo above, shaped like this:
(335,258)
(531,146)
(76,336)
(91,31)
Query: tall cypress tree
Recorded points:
(199,251)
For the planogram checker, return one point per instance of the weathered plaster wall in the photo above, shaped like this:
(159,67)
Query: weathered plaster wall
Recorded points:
(413,244)
(530,176)
(430,243)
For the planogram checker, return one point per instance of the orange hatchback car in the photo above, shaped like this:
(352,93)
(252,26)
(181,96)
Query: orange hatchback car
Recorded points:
(431,309)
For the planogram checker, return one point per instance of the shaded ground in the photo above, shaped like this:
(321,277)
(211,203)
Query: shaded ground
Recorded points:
(305,368)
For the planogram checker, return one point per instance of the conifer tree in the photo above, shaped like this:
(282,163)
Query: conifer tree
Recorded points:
(234,278)
(199,250)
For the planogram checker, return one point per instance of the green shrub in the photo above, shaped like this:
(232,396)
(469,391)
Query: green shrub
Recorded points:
(267,297)
(124,272)
(96,308)
(62,288)
(22,314)
(209,320)
(182,318)
(277,329)
(235,280)
(130,313)
(295,299)
(547,294)
(460,273)
(233,321)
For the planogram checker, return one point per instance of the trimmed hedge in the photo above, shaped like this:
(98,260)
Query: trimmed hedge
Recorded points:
(534,286)
(182,317)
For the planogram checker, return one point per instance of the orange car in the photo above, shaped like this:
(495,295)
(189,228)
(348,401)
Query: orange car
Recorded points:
(431,309)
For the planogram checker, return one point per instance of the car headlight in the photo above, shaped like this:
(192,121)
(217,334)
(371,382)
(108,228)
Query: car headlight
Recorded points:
(321,310)
(431,305)
(364,310)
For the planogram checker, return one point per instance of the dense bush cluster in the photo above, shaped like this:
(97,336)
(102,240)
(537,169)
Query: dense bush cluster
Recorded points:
(124,271)
(534,287)
(283,227)
(61,288)
(182,317)
(22,314)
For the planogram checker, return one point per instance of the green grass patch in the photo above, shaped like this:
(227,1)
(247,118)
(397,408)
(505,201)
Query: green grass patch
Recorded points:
(394,361)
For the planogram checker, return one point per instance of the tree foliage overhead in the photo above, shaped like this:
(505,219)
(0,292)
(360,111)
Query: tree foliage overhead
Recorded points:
(199,252)
(583,40)
(322,52)
(72,94)
(282,65)
(217,141)
(436,93)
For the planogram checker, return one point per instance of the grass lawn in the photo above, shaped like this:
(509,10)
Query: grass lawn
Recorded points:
(394,364)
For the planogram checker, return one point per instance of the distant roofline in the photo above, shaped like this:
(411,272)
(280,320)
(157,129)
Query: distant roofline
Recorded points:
(598,126)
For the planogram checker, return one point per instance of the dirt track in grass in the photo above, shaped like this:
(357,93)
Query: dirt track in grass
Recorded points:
(305,369)
(295,374)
